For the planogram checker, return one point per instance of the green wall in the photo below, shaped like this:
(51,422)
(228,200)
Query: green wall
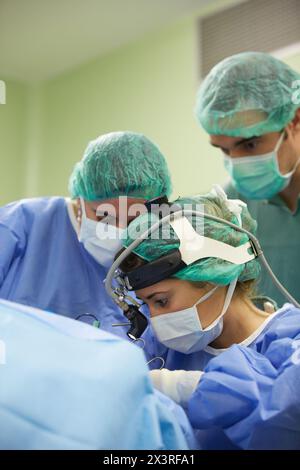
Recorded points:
(147,87)
(13,141)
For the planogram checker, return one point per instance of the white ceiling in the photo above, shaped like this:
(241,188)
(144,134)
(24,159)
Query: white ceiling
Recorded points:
(43,38)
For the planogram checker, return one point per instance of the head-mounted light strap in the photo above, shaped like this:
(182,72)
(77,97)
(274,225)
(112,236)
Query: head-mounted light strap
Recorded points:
(155,271)
(194,246)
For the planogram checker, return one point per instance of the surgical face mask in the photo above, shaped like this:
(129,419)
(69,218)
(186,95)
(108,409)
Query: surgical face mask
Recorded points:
(100,239)
(258,177)
(182,330)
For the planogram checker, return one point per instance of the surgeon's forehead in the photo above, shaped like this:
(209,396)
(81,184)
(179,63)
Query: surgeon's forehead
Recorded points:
(223,140)
(158,288)
(162,286)
(227,142)
(116,201)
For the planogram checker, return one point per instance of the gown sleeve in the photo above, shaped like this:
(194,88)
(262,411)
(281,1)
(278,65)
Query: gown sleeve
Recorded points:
(254,398)
(12,237)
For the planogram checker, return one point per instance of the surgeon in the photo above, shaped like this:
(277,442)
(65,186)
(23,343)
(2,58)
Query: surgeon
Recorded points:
(233,366)
(52,252)
(249,104)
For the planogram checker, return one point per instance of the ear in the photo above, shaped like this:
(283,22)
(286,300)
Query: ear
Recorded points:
(294,126)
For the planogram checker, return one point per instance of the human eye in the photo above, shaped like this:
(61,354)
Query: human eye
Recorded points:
(225,151)
(251,145)
(106,218)
(161,302)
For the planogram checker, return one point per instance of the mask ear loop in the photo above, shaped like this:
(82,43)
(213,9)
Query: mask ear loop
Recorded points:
(290,173)
(296,165)
(277,146)
(207,295)
(280,140)
(82,204)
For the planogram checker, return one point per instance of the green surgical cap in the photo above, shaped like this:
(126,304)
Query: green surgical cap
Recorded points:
(247,94)
(210,269)
(120,164)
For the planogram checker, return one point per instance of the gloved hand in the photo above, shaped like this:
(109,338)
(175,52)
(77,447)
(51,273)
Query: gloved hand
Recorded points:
(176,384)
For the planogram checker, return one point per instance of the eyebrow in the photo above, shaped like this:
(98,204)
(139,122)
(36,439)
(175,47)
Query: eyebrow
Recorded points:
(236,144)
(155,293)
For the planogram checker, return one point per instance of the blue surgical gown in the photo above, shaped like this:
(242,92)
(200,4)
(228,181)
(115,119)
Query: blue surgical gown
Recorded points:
(43,264)
(249,395)
(66,385)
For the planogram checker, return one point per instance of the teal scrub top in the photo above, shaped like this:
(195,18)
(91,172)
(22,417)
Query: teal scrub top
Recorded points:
(279,235)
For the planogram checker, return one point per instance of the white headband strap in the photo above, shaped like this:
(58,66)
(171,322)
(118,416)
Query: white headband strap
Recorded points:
(194,246)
